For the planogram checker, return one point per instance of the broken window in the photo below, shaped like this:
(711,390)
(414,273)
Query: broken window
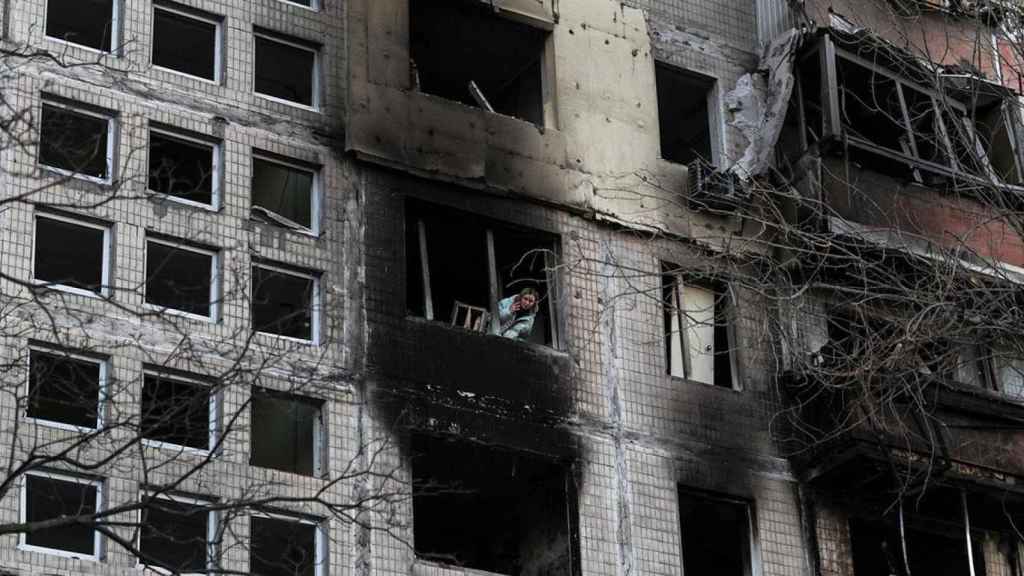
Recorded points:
(65,388)
(492,509)
(284,546)
(285,302)
(933,537)
(186,41)
(500,62)
(91,23)
(699,338)
(480,275)
(287,432)
(47,496)
(76,140)
(72,254)
(686,114)
(184,167)
(976,368)
(286,69)
(285,193)
(177,534)
(895,119)
(178,411)
(181,277)
(716,534)
(313,4)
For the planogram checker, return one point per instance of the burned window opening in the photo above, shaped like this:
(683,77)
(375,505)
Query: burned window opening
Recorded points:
(64,388)
(699,332)
(460,266)
(180,277)
(685,118)
(76,141)
(893,123)
(285,194)
(935,539)
(492,509)
(716,534)
(286,69)
(183,167)
(186,41)
(503,58)
(282,546)
(51,496)
(177,411)
(91,23)
(285,302)
(287,432)
(71,254)
(176,534)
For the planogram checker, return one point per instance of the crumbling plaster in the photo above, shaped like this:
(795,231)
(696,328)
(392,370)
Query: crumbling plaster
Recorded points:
(599,152)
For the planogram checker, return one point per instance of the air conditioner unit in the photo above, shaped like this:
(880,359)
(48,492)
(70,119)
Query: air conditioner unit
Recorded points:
(714,190)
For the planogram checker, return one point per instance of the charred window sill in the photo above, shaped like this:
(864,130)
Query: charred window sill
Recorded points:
(532,346)
(423,567)
(688,382)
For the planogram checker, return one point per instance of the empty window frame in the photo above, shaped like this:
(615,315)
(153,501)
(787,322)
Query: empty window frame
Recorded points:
(934,546)
(491,509)
(177,534)
(287,69)
(896,123)
(187,41)
(976,367)
(287,432)
(286,302)
(49,496)
(178,410)
(463,270)
(699,331)
(286,546)
(716,534)
(182,277)
(89,23)
(65,388)
(687,115)
(286,193)
(71,254)
(503,59)
(186,168)
(77,141)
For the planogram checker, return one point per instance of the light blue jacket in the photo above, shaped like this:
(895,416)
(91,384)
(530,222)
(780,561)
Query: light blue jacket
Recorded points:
(508,325)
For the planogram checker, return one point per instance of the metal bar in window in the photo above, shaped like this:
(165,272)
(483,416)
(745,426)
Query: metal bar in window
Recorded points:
(492,274)
(428,300)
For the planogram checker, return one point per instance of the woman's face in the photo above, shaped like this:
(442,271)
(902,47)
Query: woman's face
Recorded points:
(527,301)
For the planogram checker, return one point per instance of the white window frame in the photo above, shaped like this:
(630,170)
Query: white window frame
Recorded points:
(101,397)
(104,273)
(115,31)
(314,5)
(218,42)
(23,515)
(215,280)
(678,302)
(320,543)
(319,431)
(216,150)
(212,525)
(314,106)
(213,426)
(314,312)
(314,193)
(111,120)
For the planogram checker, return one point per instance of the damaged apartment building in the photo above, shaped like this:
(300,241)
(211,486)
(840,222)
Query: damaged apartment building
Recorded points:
(512,287)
